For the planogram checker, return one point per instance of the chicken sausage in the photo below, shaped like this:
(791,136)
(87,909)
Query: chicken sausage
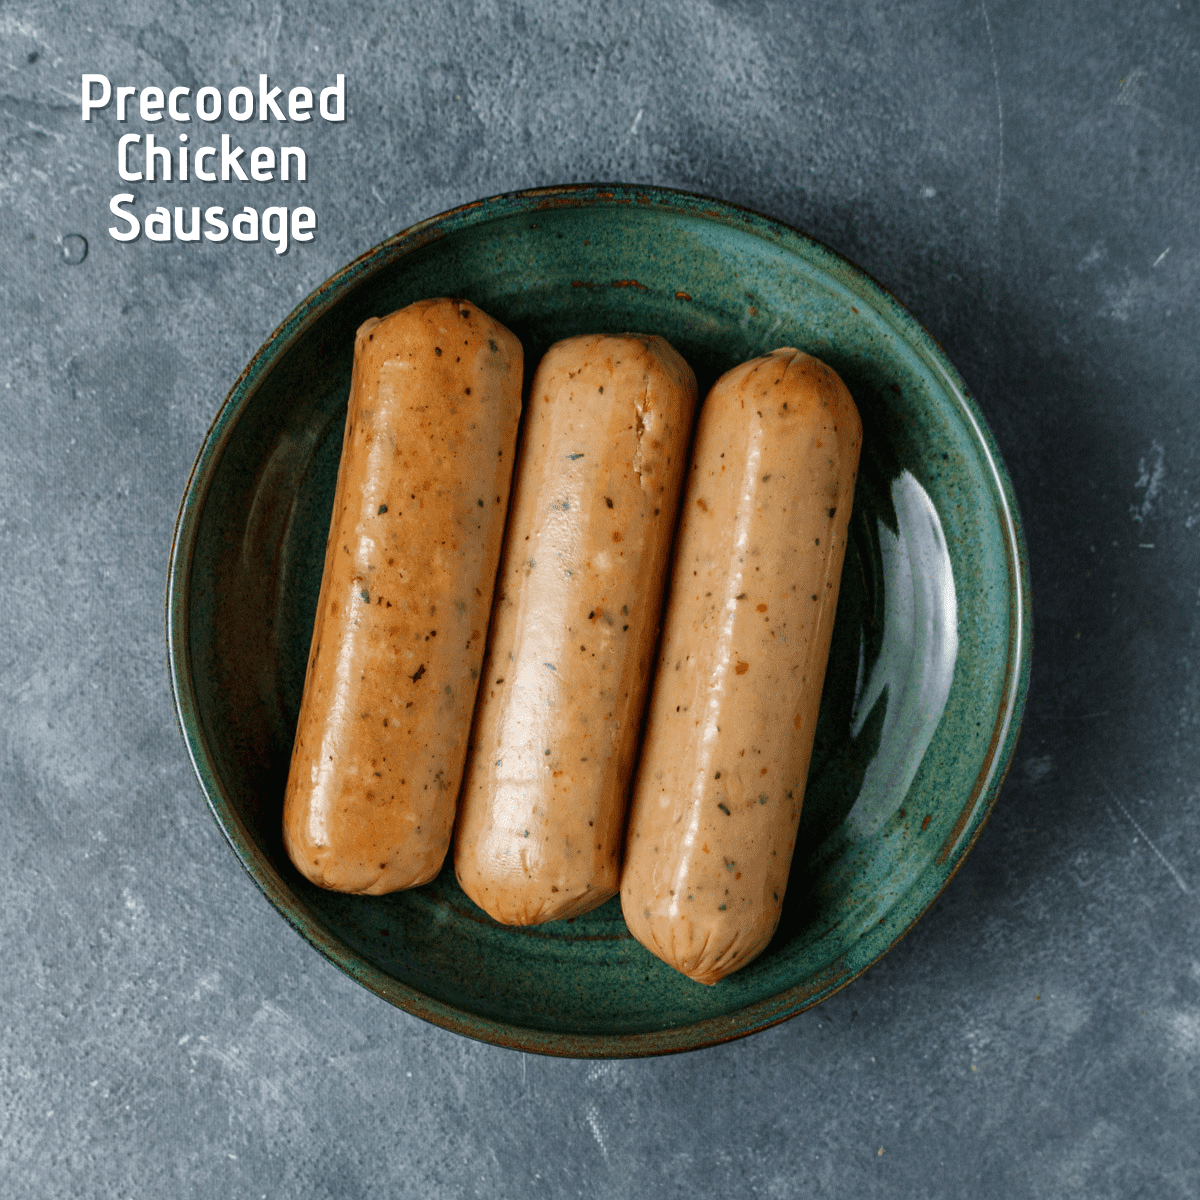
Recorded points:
(572,644)
(729,733)
(410,568)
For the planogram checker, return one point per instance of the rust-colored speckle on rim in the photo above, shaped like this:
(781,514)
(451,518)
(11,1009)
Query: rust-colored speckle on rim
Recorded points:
(1002,717)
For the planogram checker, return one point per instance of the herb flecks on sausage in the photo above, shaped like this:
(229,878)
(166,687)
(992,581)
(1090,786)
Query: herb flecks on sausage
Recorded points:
(595,499)
(437,428)
(741,664)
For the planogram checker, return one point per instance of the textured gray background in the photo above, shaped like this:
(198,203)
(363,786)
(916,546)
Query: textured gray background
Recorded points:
(1026,181)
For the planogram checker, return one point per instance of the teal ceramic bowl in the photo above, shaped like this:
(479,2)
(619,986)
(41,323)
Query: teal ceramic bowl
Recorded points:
(930,662)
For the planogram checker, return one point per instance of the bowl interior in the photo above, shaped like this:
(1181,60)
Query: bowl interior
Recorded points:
(926,677)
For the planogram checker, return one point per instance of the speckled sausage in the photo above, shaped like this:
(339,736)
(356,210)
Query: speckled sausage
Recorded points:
(572,643)
(750,611)
(410,567)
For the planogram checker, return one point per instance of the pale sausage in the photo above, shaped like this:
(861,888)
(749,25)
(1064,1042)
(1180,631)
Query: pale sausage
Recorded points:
(410,567)
(750,611)
(572,644)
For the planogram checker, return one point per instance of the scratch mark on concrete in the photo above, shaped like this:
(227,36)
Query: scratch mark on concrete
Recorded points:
(994,302)
(1130,92)
(1183,887)
(1127,93)
(593,1120)
(1150,477)
(50,133)
(999,119)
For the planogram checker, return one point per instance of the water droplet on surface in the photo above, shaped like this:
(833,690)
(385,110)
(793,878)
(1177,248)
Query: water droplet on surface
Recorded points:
(74,248)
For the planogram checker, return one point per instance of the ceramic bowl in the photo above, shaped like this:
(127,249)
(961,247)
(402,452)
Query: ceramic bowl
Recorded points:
(930,661)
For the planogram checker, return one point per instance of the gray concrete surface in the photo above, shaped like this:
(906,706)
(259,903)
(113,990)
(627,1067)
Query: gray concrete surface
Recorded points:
(1025,177)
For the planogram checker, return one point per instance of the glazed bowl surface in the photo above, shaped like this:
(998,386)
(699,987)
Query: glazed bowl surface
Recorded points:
(927,676)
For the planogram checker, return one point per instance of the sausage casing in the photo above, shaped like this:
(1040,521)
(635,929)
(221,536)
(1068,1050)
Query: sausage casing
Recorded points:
(572,644)
(410,568)
(750,611)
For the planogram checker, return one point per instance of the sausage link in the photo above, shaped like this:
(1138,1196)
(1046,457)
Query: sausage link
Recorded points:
(716,803)
(410,567)
(572,643)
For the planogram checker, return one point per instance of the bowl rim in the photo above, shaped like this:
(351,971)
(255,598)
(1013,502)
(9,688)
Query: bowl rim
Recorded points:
(870,947)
